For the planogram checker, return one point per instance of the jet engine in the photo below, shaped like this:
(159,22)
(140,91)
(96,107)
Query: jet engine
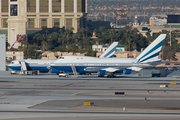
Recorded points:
(127,71)
(54,70)
(101,73)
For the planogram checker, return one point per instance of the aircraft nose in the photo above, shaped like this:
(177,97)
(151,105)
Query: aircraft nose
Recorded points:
(9,65)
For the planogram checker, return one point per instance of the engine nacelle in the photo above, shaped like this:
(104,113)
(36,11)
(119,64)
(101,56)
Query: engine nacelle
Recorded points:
(102,73)
(54,70)
(127,71)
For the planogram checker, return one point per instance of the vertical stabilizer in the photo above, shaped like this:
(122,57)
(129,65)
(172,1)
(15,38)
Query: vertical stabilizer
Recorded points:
(110,51)
(151,53)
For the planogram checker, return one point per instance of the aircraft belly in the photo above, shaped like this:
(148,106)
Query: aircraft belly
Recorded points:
(37,68)
(91,69)
(63,68)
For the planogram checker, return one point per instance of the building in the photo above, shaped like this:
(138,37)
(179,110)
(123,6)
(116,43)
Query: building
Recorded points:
(97,48)
(28,16)
(97,24)
(122,54)
(15,55)
(153,21)
(103,48)
(118,48)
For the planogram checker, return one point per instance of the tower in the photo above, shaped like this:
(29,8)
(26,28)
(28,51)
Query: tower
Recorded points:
(16,21)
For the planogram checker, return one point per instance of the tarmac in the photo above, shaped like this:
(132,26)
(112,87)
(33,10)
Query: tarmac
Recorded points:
(46,96)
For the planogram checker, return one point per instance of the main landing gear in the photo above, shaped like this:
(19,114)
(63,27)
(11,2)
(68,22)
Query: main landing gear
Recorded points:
(111,75)
(100,75)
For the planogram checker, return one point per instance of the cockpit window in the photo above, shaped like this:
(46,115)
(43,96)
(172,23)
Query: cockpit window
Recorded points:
(61,58)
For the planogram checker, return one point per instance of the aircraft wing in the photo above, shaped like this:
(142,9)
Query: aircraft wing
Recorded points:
(158,63)
(135,67)
(108,69)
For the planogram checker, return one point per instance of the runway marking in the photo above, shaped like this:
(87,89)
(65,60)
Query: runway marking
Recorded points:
(111,87)
(68,84)
(79,93)
(98,112)
(38,104)
(48,85)
(6,85)
(84,86)
(5,103)
(172,83)
(35,95)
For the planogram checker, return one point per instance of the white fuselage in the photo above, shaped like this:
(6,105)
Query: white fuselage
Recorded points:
(79,60)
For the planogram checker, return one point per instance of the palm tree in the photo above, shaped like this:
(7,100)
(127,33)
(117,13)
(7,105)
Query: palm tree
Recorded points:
(44,45)
(61,31)
(62,38)
(46,32)
(102,29)
(43,38)
(55,36)
(50,39)
(25,44)
(127,29)
(72,29)
(111,35)
(134,45)
(75,37)
(129,40)
(37,37)
(95,31)
(86,29)
(82,30)
(68,33)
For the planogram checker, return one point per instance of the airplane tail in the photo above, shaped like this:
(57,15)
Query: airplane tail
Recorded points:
(110,51)
(151,53)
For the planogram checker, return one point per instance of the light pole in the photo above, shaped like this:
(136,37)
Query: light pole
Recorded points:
(170,35)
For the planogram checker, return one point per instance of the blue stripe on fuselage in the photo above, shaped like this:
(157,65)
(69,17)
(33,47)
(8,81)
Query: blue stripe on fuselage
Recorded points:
(15,67)
(43,68)
(81,68)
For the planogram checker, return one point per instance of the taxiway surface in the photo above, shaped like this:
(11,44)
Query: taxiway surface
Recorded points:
(47,96)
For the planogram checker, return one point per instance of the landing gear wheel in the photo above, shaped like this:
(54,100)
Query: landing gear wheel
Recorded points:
(100,75)
(111,76)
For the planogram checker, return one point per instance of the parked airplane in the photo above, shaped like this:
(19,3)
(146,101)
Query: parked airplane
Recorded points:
(44,65)
(111,66)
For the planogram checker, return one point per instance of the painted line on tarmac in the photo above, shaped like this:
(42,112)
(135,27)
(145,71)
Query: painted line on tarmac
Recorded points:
(48,85)
(38,104)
